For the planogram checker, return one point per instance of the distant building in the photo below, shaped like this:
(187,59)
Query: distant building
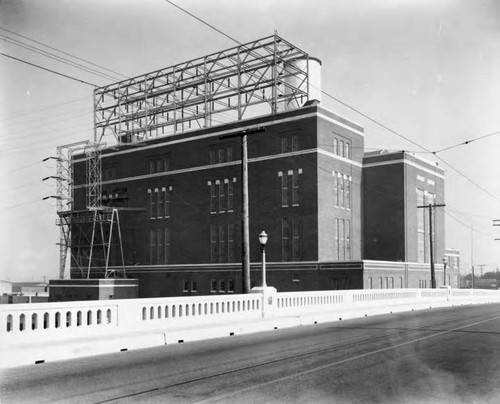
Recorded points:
(452,259)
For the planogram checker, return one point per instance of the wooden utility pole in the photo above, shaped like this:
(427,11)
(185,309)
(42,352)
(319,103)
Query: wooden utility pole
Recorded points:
(431,206)
(245,214)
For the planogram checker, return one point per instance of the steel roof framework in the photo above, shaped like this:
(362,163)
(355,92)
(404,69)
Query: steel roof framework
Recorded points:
(220,87)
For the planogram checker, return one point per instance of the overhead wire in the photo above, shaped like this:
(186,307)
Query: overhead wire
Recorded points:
(55,57)
(49,70)
(373,120)
(63,52)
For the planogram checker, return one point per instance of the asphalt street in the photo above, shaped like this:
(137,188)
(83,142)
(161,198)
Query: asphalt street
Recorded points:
(449,355)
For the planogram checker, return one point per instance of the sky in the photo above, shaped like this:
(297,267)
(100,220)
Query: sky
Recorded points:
(427,69)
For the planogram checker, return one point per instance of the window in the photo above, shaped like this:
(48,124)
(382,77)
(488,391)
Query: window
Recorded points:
(290,187)
(370,283)
(285,239)
(159,203)
(348,193)
(222,286)
(230,242)
(347,153)
(213,197)
(289,143)
(341,148)
(230,285)
(284,189)
(152,203)
(222,242)
(335,189)
(341,191)
(347,239)
(213,243)
(335,146)
(185,287)
(159,244)
(337,238)
(222,196)
(159,164)
(290,239)
(213,286)
(109,173)
(341,240)
(295,188)
(296,239)
(230,196)
(220,154)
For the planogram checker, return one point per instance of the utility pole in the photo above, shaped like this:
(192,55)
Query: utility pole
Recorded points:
(245,216)
(431,206)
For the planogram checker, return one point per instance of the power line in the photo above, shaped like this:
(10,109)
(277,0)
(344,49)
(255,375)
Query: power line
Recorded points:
(354,109)
(55,57)
(49,70)
(468,142)
(62,52)
(203,22)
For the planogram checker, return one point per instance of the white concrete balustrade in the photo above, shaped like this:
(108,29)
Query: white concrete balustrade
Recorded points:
(162,320)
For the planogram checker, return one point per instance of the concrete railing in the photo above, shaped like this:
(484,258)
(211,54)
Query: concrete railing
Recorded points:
(167,319)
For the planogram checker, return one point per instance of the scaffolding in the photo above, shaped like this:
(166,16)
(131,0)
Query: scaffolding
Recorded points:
(260,77)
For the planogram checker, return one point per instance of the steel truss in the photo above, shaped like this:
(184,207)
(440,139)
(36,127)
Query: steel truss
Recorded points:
(220,87)
(96,237)
(65,197)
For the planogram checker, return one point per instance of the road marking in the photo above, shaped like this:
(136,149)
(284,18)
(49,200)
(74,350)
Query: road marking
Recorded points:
(306,372)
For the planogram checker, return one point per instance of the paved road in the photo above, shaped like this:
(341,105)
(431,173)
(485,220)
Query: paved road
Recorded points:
(432,356)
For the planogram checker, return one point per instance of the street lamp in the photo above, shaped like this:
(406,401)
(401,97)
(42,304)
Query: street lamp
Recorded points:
(444,267)
(263,240)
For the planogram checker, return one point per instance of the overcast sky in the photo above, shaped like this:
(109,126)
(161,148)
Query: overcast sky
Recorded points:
(428,69)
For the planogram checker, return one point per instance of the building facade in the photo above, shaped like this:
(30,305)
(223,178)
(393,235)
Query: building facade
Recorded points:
(179,205)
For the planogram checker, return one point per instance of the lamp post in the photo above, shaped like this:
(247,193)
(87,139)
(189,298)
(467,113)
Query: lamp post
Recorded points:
(444,267)
(263,240)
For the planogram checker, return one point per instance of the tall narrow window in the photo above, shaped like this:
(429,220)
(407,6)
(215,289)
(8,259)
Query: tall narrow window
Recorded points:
(296,239)
(230,153)
(230,242)
(160,239)
(222,196)
(160,203)
(348,193)
(230,196)
(213,243)
(222,157)
(213,198)
(335,146)
(341,148)
(347,153)
(222,243)
(335,189)
(284,189)
(285,239)
(295,188)
(166,200)
(337,238)
(295,143)
(152,246)
(341,191)
(347,239)
(167,245)
(341,240)
(284,144)
(152,203)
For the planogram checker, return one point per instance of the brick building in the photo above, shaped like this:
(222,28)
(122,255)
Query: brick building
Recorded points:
(179,199)
(162,202)
(395,229)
